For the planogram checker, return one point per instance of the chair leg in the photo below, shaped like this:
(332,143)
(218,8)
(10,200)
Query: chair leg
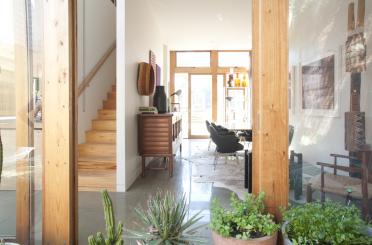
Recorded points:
(209,144)
(215,160)
(237,158)
(309,193)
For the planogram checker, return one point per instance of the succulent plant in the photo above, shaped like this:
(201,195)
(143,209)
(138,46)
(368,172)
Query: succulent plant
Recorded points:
(113,234)
(166,222)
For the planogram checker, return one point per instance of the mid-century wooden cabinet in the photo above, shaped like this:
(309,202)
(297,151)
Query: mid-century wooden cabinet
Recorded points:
(159,135)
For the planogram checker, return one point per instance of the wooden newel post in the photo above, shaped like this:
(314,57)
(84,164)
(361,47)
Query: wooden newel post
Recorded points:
(270,102)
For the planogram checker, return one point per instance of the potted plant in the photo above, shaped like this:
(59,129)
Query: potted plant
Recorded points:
(245,224)
(165,221)
(325,223)
(113,234)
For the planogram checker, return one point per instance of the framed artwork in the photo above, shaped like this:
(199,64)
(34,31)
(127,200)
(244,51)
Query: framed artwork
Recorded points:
(319,89)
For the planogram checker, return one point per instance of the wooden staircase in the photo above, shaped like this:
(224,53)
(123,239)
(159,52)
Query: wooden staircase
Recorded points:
(97,156)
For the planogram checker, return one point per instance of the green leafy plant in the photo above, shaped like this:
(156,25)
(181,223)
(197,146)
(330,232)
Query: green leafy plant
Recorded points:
(325,223)
(246,219)
(113,235)
(1,156)
(166,222)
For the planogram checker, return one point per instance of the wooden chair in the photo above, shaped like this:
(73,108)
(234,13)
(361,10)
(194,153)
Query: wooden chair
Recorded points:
(344,185)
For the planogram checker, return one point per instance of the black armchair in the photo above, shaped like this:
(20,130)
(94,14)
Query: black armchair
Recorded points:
(226,144)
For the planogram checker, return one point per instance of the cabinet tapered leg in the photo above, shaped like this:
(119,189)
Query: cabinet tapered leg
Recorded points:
(143,166)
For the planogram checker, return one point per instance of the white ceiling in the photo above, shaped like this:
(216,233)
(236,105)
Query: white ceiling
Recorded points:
(204,24)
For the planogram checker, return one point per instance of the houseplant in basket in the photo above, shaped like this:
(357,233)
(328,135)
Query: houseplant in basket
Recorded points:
(325,223)
(246,223)
(165,222)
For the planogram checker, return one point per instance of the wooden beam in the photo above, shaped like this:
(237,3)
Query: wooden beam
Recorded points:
(59,178)
(23,126)
(270,105)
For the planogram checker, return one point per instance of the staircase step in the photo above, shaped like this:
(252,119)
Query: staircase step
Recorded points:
(111,95)
(97,150)
(101,136)
(97,180)
(97,163)
(107,114)
(104,124)
(109,104)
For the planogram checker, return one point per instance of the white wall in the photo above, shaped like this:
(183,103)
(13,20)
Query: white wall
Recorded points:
(320,27)
(141,35)
(96,33)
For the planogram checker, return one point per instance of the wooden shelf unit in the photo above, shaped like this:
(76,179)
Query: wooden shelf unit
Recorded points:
(159,135)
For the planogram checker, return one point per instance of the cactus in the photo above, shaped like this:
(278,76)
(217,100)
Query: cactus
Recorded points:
(113,237)
(1,157)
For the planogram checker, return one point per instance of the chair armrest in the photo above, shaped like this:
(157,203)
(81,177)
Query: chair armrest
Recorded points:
(343,168)
(343,156)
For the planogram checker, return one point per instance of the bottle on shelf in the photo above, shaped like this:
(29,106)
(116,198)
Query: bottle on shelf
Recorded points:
(237,80)
(244,81)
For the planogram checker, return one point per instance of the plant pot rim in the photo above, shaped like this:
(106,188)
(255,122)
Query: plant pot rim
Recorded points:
(259,239)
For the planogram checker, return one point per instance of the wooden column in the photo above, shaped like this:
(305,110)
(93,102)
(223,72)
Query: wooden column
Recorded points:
(23,126)
(59,179)
(270,102)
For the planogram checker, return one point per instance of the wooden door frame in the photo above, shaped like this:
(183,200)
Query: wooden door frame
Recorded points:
(213,70)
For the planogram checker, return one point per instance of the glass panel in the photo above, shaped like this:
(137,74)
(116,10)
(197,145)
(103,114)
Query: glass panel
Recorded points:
(193,59)
(220,100)
(21,77)
(330,99)
(181,81)
(234,59)
(201,103)
(236,105)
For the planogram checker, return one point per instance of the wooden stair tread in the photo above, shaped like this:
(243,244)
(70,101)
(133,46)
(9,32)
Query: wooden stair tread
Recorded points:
(109,159)
(97,180)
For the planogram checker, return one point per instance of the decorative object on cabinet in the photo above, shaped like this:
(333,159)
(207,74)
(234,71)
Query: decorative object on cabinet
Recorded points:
(231,79)
(159,135)
(160,99)
(147,110)
(145,79)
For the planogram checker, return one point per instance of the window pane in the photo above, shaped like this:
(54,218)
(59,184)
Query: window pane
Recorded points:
(220,99)
(193,59)
(234,59)
(201,103)
(181,81)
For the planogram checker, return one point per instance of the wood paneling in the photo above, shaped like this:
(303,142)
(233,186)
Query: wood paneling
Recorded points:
(270,105)
(59,178)
(23,126)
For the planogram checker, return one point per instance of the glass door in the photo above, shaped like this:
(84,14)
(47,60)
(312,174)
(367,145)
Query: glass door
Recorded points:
(200,104)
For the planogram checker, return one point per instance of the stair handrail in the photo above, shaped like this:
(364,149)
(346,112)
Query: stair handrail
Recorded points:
(88,79)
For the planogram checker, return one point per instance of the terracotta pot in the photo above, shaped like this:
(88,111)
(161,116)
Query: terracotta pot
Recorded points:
(267,240)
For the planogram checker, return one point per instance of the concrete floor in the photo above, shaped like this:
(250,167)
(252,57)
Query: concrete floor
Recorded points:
(199,196)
